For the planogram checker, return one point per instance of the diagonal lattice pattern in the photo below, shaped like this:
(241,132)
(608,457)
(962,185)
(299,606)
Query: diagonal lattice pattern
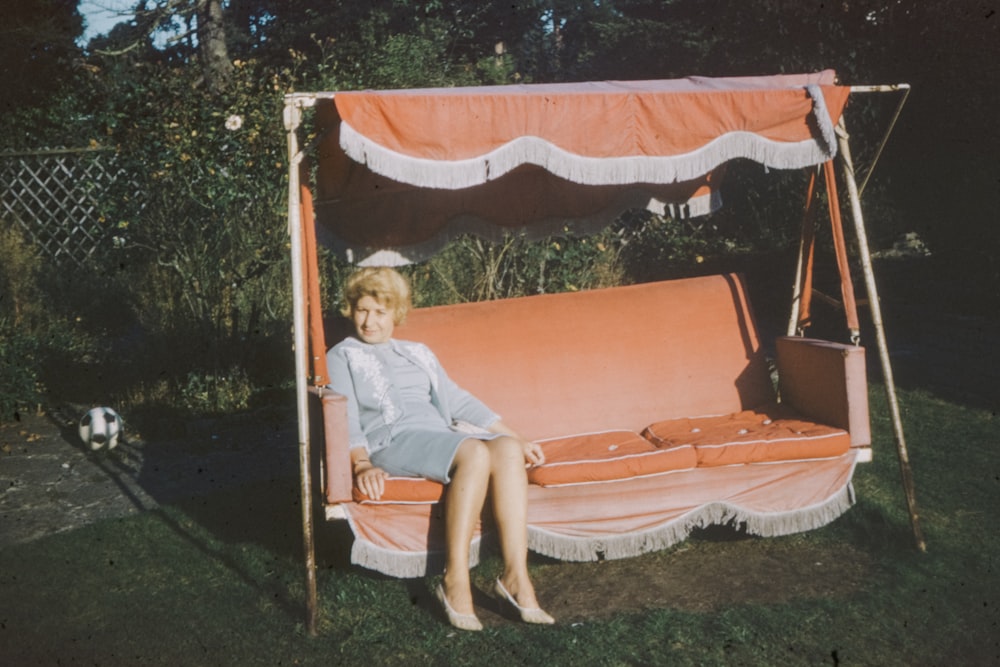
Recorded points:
(55,197)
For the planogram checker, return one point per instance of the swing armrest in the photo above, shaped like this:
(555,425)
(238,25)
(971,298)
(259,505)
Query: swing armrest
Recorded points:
(328,413)
(827,383)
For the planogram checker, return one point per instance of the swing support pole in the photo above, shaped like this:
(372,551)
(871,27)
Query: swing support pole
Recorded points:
(883,348)
(292,119)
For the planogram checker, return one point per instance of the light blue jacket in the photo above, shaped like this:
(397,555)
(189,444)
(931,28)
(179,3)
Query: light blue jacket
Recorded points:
(374,404)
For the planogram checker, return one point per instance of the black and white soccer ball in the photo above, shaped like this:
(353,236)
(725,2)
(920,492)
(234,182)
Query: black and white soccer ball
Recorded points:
(100,428)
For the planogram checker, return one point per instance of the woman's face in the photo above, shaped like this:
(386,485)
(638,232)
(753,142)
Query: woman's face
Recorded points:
(372,320)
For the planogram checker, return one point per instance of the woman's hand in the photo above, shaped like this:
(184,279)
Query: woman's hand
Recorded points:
(533,454)
(370,479)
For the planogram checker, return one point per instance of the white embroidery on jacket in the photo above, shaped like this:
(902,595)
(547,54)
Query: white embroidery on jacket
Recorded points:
(372,370)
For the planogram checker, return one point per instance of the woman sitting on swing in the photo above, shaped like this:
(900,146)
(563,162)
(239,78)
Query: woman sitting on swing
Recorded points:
(402,411)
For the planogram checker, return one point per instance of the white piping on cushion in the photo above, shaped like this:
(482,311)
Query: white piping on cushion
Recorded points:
(738,443)
(617,480)
(622,457)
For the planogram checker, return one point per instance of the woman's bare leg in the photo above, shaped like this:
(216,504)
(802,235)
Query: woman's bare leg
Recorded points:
(509,482)
(466,494)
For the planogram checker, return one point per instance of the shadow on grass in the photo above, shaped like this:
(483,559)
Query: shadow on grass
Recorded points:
(227,483)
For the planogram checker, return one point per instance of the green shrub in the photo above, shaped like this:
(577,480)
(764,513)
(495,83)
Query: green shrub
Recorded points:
(19,311)
(472,269)
(59,329)
(19,268)
(20,387)
(205,393)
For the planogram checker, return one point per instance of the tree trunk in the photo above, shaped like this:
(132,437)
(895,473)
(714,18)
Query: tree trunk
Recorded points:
(212,49)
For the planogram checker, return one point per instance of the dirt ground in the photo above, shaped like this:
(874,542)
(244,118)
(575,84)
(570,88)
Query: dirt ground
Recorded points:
(703,576)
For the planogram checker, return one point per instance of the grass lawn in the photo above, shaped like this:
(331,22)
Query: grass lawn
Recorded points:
(218,581)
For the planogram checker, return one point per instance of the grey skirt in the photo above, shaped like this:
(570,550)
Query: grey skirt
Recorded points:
(427,453)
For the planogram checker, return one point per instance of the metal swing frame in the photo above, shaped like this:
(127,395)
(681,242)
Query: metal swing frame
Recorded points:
(294,107)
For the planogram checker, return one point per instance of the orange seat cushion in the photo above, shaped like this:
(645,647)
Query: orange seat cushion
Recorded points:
(601,457)
(404,490)
(751,436)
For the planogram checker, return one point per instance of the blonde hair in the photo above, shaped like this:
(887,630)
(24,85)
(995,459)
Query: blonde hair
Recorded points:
(384,284)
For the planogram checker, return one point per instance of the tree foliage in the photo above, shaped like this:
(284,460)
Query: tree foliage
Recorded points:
(38,53)
(189,92)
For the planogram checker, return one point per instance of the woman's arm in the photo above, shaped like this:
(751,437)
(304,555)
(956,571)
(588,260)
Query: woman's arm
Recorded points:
(465,406)
(455,402)
(369,479)
(342,382)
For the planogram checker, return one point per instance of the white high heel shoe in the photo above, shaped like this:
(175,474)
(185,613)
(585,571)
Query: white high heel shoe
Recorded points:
(461,621)
(527,614)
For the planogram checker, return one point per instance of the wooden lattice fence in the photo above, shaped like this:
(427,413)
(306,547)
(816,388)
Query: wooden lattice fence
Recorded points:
(58,198)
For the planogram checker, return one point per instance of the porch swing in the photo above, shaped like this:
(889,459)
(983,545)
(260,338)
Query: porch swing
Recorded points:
(648,433)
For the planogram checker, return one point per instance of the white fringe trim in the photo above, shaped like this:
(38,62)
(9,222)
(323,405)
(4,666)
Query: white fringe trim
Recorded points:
(823,119)
(409,565)
(673,532)
(457,174)
(405,564)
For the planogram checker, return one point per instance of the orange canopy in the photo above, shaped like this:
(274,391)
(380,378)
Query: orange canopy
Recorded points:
(403,171)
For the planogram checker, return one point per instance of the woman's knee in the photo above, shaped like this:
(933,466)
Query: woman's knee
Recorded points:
(507,451)
(472,454)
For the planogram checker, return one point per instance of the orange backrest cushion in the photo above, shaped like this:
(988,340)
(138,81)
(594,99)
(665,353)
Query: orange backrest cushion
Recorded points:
(617,358)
